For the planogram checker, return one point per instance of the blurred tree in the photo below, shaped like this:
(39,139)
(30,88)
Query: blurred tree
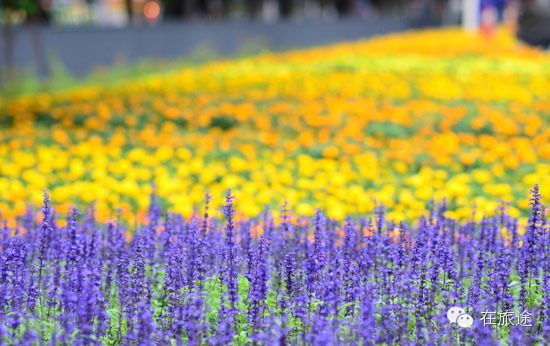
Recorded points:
(324,4)
(32,12)
(179,9)
(172,8)
(285,8)
(129,10)
(227,5)
(386,5)
(203,7)
(345,7)
(254,8)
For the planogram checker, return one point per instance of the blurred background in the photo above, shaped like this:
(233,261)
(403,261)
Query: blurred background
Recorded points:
(76,37)
(101,98)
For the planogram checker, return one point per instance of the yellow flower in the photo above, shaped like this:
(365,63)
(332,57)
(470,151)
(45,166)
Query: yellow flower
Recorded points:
(481,176)
(296,126)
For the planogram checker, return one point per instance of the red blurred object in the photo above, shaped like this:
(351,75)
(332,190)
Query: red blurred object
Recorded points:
(151,11)
(489,18)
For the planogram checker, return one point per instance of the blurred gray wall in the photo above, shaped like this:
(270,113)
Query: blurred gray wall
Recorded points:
(83,48)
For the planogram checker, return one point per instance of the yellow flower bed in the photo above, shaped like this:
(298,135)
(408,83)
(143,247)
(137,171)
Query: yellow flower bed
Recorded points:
(399,120)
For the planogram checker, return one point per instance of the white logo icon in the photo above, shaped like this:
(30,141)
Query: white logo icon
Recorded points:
(465,320)
(453,313)
(459,316)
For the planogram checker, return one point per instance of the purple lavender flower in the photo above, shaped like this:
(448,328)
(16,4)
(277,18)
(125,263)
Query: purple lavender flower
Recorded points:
(206,280)
(231,268)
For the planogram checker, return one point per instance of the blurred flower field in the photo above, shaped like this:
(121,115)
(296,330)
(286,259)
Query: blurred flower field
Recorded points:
(396,170)
(399,120)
